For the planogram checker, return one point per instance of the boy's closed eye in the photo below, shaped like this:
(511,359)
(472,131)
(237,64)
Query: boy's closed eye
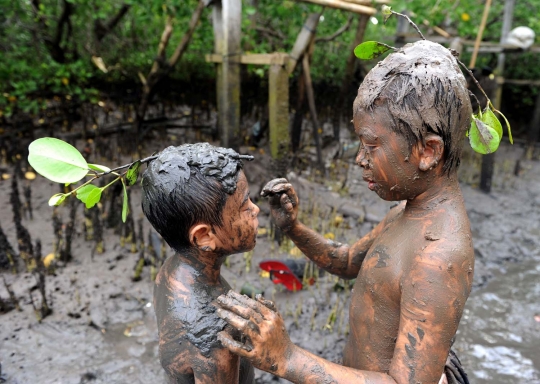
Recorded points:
(245,205)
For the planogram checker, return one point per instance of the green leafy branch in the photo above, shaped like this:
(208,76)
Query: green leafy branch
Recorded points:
(60,162)
(485,133)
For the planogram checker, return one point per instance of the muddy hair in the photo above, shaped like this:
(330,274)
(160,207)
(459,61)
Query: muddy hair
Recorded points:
(424,91)
(187,185)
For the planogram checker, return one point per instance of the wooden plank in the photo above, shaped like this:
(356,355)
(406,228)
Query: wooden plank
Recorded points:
(280,58)
(278,111)
(532,83)
(302,41)
(339,4)
(504,48)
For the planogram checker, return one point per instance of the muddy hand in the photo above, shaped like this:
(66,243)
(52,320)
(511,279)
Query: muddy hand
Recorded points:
(268,345)
(283,203)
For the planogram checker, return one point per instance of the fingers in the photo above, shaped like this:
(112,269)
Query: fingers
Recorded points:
(287,202)
(272,187)
(245,301)
(245,326)
(267,303)
(233,345)
(240,307)
(281,194)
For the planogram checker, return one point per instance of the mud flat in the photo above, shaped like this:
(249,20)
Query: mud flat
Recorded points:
(103,328)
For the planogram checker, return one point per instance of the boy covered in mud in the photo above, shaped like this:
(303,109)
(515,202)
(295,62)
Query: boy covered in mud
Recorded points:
(196,196)
(414,269)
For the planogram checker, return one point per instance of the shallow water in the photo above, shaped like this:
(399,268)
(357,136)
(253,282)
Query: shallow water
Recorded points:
(499,338)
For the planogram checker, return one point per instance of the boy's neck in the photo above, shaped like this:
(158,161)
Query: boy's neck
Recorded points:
(207,264)
(443,189)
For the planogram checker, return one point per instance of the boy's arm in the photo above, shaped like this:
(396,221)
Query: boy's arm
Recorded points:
(434,291)
(339,259)
(433,296)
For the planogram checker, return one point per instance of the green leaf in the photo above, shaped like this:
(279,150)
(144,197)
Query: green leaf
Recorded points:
(89,195)
(93,198)
(133,173)
(483,139)
(370,50)
(57,160)
(125,207)
(99,168)
(57,199)
(489,118)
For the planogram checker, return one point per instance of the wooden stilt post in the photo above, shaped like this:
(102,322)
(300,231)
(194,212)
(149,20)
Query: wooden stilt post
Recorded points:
(313,110)
(217,21)
(278,110)
(486,172)
(534,128)
(227,17)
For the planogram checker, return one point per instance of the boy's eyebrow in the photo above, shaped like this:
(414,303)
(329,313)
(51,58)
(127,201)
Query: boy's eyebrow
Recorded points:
(368,134)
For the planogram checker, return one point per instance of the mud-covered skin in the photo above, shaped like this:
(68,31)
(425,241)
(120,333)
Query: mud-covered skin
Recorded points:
(219,163)
(188,326)
(414,270)
(185,288)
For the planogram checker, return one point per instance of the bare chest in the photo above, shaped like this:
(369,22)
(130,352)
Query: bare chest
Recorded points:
(375,303)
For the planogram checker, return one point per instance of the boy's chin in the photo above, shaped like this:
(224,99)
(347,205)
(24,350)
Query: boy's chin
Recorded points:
(387,195)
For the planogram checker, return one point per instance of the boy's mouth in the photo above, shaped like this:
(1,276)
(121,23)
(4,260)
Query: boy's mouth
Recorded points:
(371,183)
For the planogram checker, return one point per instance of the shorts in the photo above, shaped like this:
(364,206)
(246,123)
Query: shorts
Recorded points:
(454,370)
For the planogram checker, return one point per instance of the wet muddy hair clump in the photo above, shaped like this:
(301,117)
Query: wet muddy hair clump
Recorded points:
(187,185)
(424,91)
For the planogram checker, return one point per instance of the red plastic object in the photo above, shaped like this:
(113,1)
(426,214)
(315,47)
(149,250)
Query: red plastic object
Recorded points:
(280,273)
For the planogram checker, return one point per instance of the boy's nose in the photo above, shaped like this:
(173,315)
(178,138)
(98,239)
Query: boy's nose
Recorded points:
(256,209)
(361,158)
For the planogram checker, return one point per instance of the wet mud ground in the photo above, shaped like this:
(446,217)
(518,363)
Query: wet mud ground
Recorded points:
(103,328)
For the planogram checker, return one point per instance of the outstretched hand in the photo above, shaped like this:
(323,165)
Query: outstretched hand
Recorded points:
(283,203)
(268,345)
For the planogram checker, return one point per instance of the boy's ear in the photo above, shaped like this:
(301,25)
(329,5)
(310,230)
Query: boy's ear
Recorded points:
(201,236)
(431,153)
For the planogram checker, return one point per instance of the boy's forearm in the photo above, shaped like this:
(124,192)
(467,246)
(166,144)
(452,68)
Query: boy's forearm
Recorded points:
(304,367)
(327,254)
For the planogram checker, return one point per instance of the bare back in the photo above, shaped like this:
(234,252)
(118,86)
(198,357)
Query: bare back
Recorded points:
(187,324)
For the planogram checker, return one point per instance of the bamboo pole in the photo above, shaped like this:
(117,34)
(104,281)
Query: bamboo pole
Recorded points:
(339,4)
(487,6)
(302,41)
(368,2)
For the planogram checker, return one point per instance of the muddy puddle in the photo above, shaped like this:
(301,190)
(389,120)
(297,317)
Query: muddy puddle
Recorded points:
(499,336)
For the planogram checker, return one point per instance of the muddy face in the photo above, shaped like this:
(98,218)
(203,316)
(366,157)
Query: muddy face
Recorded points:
(239,230)
(425,93)
(391,169)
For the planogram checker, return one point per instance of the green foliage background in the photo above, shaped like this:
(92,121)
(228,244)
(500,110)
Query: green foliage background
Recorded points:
(29,76)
